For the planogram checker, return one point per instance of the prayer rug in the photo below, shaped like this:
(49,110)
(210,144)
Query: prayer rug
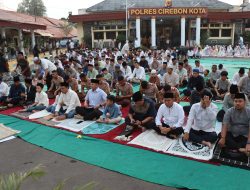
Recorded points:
(21,115)
(7,139)
(6,132)
(39,114)
(191,150)
(74,125)
(100,128)
(47,122)
(239,160)
(150,139)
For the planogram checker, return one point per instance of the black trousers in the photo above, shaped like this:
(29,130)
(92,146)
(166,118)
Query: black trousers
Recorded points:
(176,132)
(88,113)
(235,142)
(199,136)
(148,125)
(48,80)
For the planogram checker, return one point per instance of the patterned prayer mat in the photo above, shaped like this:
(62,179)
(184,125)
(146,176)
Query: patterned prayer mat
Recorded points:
(47,122)
(6,132)
(230,159)
(150,139)
(99,128)
(74,125)
(39,114)
(21,115)
(191,150)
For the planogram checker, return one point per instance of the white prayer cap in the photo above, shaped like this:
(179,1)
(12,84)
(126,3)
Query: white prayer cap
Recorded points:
(170,67)
(36,59)
(153,71)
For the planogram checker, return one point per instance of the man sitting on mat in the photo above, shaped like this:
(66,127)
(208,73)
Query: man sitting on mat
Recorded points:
(170,118)
(55,84)
(67,103)
(112,112)
(41,100)
(201,121)
(141,114)
(30,92)
(16,93)
(95,100)
(124,92)
(4,90)
(235,134)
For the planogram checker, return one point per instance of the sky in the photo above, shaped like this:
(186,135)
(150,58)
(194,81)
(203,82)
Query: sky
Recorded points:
(60,8)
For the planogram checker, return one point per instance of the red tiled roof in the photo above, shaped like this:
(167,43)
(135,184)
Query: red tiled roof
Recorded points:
(54,27)
(41,25)
(19,20)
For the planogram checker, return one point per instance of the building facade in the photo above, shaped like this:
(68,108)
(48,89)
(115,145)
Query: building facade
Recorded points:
(161,23)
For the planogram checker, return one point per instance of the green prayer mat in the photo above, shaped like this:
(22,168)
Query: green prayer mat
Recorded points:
(142,164)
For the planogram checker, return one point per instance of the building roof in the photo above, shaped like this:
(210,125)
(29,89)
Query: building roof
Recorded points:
(19,20)
(54,28)
(114,5)
(42,25)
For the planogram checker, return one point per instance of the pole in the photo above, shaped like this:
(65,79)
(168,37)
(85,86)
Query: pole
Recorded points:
(126,20)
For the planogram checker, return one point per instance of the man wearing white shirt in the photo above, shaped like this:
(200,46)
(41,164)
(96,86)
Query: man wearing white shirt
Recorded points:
(126,70)
(170,118)
(239,75)
(47,67)
(171,78)
(4,90)
(138,74)
(67,103)
(182,72)
(199,66)
(201,121)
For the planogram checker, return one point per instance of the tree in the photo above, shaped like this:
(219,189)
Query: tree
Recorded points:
(66,27)
(32,7)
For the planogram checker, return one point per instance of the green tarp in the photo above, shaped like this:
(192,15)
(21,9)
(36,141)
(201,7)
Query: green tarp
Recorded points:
(142,164)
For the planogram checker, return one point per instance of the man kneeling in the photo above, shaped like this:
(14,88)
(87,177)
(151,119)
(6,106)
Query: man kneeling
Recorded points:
(201,121)
(235,133)
(172,115)
(112,112)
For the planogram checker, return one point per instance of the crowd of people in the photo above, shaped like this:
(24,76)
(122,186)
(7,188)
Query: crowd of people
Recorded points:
(96,84)
(220,51)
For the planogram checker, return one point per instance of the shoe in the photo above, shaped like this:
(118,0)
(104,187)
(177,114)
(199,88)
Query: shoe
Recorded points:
(128,131)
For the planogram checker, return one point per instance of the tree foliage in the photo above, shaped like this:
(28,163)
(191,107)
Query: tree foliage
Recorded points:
(32,7)
(66,27)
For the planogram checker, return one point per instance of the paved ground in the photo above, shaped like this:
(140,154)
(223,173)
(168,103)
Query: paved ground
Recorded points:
(17,155)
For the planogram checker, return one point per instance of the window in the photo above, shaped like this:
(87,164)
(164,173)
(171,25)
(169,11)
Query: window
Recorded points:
(98,35)
(226,33)
(122,33)
(204,25)
(110,27)
(226,25)
(214,25)
(110,35)
(214,33)
(121,27)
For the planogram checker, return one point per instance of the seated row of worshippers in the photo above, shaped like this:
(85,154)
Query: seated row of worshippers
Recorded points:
(177,74)
(167,120)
